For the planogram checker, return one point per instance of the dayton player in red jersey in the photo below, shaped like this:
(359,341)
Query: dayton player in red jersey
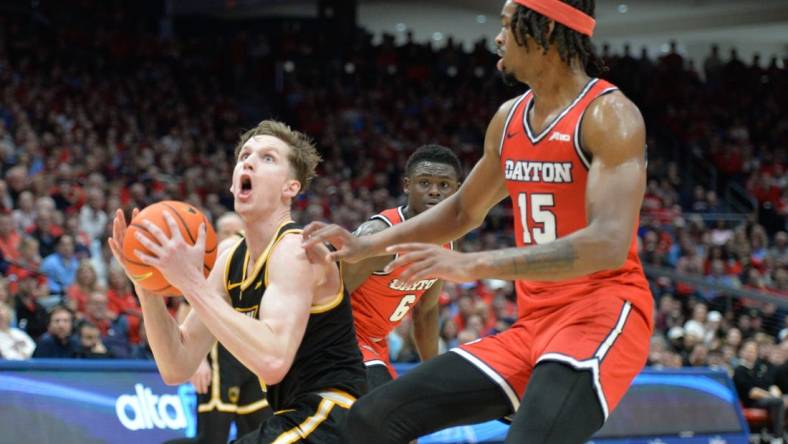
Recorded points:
(380,298)
(571,155)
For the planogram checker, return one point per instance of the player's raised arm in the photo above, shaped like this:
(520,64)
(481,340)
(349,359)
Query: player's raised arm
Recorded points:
(614,133)
(178,350)
(449,220)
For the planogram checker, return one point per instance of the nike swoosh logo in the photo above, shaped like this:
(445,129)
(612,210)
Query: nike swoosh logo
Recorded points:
(510,135)
(142,277)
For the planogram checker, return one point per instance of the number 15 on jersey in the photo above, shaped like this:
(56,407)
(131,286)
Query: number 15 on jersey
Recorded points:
(537,205)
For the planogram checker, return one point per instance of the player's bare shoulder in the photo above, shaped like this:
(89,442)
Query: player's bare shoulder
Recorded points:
(613,127)
(494,135)
(290,257)
(370,227)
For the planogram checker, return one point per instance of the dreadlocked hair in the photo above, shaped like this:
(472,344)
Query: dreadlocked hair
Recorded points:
(570,43)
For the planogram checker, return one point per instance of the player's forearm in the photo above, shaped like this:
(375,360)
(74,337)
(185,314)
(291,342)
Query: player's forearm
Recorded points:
(443,223)
(578,254)
(425,333)
(250,340)
(166,341)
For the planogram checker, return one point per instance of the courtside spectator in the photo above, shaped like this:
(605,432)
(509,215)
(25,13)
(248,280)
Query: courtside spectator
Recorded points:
(58,341)
(14,343)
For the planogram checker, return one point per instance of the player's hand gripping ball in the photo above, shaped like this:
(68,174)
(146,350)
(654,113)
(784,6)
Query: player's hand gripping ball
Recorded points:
(189,219)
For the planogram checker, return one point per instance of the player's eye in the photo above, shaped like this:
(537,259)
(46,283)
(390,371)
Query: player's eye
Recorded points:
(244,156)
(268,158)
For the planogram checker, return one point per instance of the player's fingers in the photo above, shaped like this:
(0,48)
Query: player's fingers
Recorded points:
(405,259)
(312,228)
(157,233)
(420,272)
(175,232)
(424,269)
(332,234)
(134,213)
(317,253)
(146,258)
(148,243)
(201,234)
(340,254)
(118,225)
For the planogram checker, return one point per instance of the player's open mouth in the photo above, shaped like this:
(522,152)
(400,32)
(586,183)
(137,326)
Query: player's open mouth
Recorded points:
(246,186)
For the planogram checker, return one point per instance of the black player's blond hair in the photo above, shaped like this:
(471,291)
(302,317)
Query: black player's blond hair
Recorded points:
(303,156)
(571,44)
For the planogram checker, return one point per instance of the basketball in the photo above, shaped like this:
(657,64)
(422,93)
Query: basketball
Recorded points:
(189,219)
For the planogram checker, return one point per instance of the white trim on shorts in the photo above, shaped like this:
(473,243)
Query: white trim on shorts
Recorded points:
(594,362)
(375,362)
(492,374)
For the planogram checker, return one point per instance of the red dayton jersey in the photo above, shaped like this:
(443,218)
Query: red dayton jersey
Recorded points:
(546,175)
(382,301)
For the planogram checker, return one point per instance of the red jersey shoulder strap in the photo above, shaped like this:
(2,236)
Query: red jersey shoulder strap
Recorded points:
(507,132)
(390,217)
(601,88)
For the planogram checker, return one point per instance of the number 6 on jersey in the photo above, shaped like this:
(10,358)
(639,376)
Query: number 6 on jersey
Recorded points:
(402,309)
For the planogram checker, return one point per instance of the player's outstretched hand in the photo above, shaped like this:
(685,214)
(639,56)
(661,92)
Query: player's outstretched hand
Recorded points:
(428,261)
(119,227)
(348,247)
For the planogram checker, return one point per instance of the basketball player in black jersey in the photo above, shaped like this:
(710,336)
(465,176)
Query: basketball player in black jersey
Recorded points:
(227,391)
(285,318)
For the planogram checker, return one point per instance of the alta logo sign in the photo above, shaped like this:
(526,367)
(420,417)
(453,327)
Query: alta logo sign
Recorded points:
(144,411)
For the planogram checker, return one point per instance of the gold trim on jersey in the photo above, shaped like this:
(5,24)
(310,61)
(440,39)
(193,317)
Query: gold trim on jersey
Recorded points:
(247,281)
(328,306)
(216,402)
(227,284)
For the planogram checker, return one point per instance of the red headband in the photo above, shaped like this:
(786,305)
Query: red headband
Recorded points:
(562,13)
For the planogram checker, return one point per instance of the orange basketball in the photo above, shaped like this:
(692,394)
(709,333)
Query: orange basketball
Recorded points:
(189,219)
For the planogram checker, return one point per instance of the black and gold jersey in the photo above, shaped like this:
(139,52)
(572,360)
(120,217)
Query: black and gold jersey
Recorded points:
(328,357)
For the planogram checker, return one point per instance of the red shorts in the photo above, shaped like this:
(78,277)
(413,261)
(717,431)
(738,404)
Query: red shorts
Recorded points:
(375,353)
(603,334)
